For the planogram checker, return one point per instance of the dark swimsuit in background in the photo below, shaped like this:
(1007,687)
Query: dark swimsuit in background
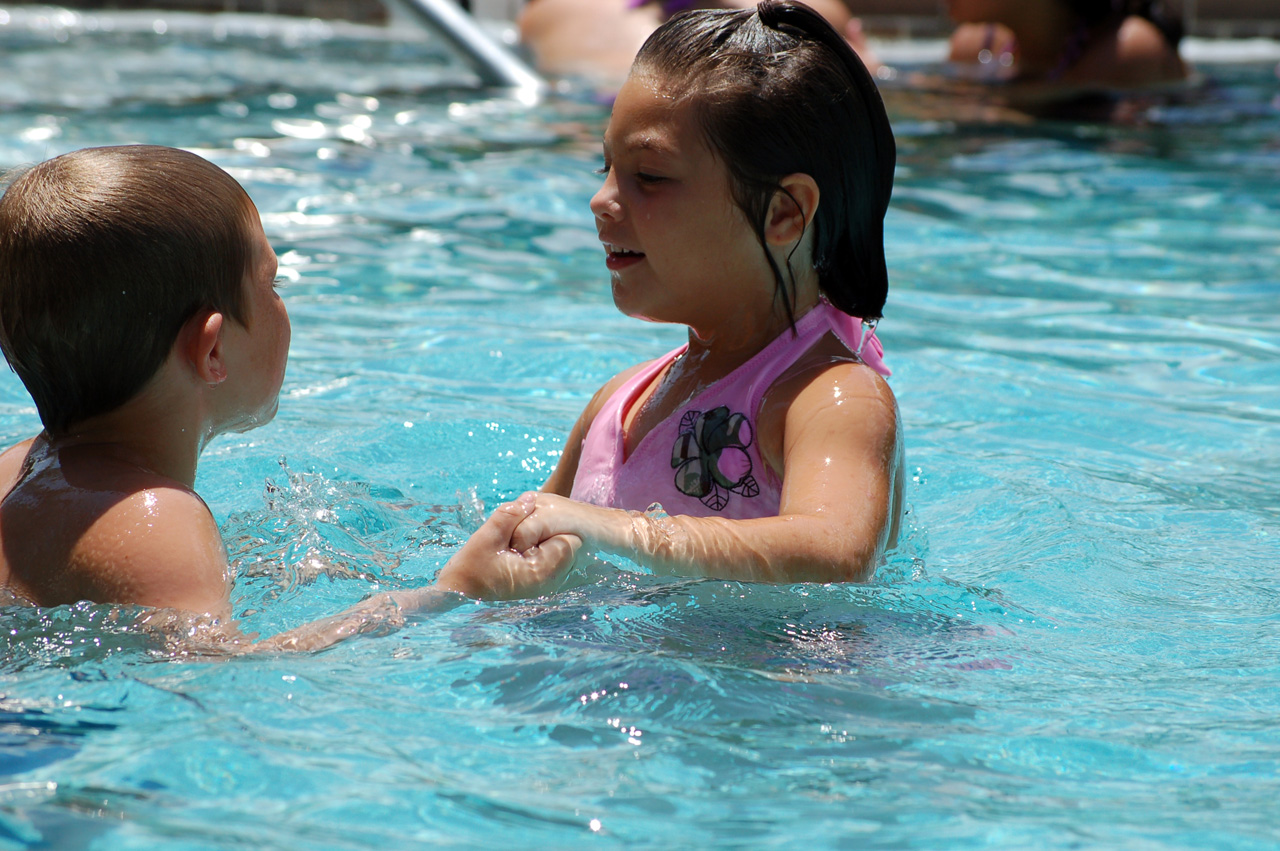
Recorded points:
(669,7)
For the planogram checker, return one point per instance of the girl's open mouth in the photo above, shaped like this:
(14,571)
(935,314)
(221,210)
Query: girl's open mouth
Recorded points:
(620,258)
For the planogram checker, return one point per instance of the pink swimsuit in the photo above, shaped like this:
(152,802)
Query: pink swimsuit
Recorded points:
(704,460)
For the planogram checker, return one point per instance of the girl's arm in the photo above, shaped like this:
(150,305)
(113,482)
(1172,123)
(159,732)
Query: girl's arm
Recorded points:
(841,496)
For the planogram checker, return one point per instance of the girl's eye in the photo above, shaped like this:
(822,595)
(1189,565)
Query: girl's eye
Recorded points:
(641,177)
(279,281)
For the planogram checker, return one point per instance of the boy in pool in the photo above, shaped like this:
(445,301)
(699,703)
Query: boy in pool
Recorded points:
(138,307)
(748,168)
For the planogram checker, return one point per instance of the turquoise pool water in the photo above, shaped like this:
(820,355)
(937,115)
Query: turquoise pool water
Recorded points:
(1076,646)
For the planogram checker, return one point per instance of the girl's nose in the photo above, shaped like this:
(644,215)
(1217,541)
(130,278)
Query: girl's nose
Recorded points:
(604,204)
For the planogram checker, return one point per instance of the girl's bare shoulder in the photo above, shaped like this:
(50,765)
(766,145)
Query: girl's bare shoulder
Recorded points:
(829,384)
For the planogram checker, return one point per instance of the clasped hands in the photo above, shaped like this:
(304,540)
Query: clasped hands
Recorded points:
(525,548)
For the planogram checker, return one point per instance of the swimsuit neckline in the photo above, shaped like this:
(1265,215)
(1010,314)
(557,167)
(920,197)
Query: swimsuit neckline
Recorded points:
(646,377)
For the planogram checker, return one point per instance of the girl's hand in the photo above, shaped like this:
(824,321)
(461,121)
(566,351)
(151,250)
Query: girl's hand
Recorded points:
(495,564)
(593,526)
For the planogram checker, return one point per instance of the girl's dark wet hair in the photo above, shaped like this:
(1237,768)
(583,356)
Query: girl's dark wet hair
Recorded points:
(777,91)
(104,254)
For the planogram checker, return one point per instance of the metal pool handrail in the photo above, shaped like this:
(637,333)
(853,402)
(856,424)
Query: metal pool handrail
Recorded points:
(496,65)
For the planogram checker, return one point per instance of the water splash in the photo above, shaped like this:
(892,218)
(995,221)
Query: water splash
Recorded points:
(84,634)
(313,527)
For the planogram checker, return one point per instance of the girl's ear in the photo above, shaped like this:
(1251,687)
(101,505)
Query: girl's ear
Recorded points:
(792,209)
(201,342)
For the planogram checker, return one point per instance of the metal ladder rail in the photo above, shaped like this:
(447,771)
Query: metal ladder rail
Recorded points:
(492,61)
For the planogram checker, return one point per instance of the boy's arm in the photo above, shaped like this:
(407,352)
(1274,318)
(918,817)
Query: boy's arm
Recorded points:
(159,547)
(840,457)
(486,567)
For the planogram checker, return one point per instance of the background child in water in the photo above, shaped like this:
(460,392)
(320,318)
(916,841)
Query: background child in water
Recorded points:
(749,163)
(1069,44)
(597,39)
(138,307)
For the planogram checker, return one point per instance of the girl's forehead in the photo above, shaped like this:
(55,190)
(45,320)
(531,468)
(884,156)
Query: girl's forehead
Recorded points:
(643,97)
(652,82)
(646,115)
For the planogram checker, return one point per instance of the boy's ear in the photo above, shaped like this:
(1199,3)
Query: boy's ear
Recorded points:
(201,340)
(792,209)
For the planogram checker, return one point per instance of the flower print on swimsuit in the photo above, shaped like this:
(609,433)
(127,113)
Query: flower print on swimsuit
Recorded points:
(710,457)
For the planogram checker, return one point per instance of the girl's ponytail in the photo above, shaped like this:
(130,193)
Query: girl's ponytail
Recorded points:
(850,263)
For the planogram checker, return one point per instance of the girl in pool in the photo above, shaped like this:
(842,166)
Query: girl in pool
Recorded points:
(748,167)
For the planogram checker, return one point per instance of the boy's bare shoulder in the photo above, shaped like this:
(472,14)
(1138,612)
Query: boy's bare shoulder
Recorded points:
(158,545)
(95,529)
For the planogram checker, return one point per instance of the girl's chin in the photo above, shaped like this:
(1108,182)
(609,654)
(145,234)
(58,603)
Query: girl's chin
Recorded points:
(629,306)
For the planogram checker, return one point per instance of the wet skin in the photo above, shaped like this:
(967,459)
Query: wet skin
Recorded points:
(679,250)
(107,513)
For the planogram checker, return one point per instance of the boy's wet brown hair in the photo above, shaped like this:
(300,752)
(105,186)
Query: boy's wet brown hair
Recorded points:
(104,254)
(777,91)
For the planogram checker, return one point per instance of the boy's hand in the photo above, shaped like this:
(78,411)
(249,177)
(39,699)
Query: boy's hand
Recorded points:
(491,566)
(556,515)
